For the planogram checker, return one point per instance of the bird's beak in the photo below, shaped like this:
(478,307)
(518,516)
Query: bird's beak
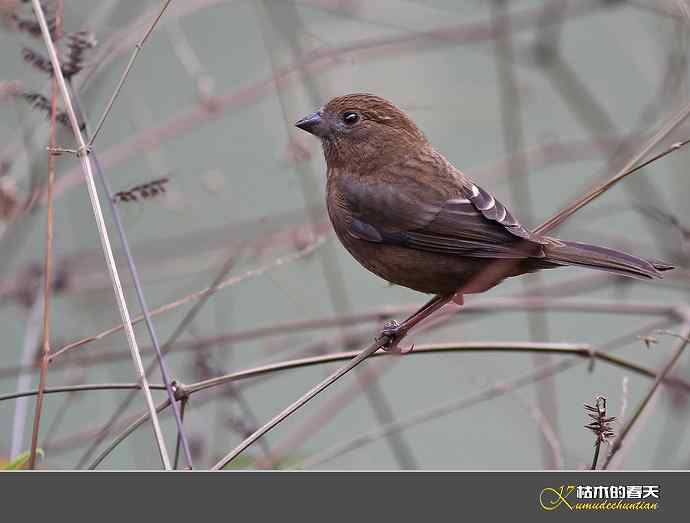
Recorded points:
(312,124)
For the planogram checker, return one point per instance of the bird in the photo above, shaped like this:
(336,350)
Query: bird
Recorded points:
(408,215)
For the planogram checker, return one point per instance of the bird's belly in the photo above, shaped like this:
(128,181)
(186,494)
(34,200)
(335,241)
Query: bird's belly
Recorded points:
(422,271)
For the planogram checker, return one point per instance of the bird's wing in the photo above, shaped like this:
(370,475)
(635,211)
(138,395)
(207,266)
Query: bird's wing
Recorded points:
(457,219)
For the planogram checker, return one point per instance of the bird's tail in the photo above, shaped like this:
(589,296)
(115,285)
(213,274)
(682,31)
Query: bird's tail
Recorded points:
(602,258)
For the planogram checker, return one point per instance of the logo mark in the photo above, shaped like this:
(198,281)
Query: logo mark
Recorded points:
(551,498)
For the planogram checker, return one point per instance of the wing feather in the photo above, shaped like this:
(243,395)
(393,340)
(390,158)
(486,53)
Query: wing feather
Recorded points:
(457,217)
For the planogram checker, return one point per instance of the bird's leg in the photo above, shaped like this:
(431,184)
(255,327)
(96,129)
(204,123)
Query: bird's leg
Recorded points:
(395,331)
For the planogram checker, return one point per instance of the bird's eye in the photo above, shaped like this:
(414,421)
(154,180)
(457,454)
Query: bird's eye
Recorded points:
(350,117)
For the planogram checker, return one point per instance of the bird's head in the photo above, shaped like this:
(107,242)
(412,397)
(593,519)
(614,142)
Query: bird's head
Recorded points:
(362,128)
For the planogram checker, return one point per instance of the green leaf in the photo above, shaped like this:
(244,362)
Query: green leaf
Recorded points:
(22,460)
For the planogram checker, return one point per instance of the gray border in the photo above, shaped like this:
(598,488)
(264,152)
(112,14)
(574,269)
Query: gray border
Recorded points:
(351,496)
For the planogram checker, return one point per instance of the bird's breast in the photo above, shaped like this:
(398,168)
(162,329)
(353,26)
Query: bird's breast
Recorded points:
(422,271)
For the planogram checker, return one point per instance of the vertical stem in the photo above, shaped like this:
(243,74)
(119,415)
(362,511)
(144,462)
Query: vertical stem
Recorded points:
(597,446)
(183,405)
(47,263)
(103,232)
(138,288)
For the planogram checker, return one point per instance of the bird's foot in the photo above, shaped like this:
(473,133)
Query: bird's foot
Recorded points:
(391,329)
(393,332)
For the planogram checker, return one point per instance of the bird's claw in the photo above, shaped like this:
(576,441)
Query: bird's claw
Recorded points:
(394,333)
(397,349)
(391,329)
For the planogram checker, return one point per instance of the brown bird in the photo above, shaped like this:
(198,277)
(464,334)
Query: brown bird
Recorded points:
(409,216)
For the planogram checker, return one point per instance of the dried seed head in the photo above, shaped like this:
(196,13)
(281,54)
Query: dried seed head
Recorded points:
(37,60)
(28,24)
(78,44)
(600,424)
(40,102)
(144,191)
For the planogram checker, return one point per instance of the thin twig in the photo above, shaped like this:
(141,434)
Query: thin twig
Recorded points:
(232,280)
(180,434)
(331,408)
(547,429)
(121,82)
(680,347)
(422,416)
(567,349)
(219,282)
(625,393)
(597,446)
(257,371)
(584,351)
(47,261)
(138,288)
(123,435)
(363,355)
(629,168)
(181,327)
(481,306)
(267,369)
(103,233)
(584,106)
(454,405)
(377,316)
